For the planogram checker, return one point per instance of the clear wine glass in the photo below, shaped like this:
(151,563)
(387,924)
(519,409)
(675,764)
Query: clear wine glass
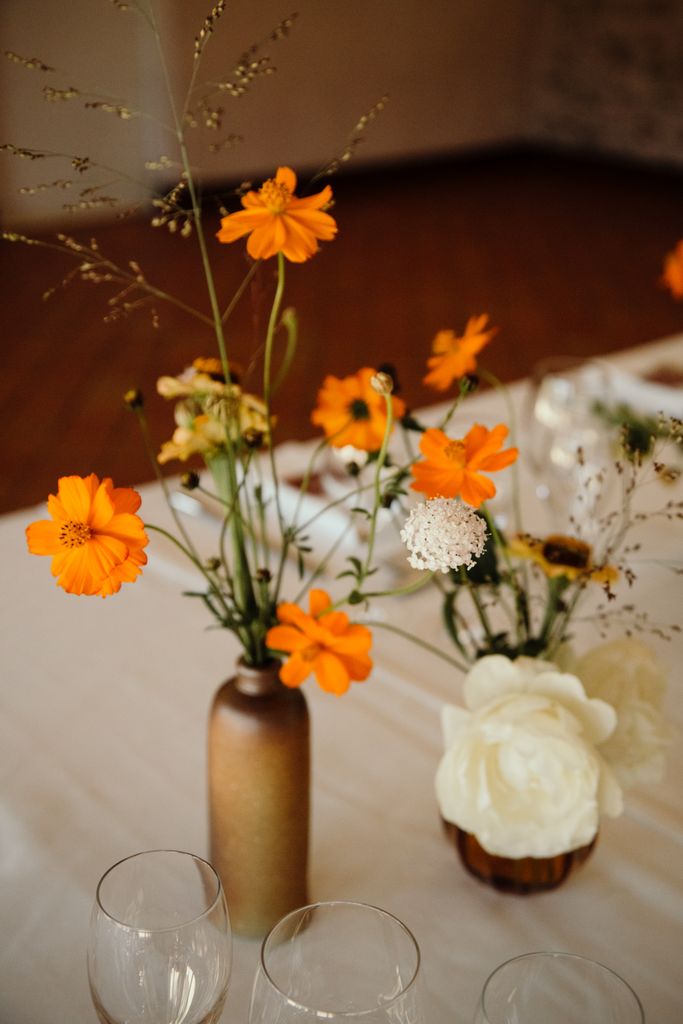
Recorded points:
(337,962)
(564,988)
(159,949)
(569,444)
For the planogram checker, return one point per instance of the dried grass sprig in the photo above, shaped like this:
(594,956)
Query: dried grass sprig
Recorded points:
(94,267)
(356,137)
(30,63)
(250,66)
(207,29)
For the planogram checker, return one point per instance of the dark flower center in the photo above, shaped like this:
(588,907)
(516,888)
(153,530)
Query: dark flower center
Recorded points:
(567,551)
(359,409)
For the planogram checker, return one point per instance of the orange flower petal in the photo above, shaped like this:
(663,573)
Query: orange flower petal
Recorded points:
(43,537)
(359,666)
(286,176)
(318,601)
(75,495)
(295,670)
(476,489)
(286,638)
(331,673)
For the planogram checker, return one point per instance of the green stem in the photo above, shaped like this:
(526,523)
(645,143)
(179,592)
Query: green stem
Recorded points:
(381,459)
(410,588)
(376,624)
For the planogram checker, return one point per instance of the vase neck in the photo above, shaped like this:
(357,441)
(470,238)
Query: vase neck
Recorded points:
(257,680)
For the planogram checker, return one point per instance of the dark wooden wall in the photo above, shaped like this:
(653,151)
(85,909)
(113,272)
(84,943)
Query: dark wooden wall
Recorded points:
(564,253)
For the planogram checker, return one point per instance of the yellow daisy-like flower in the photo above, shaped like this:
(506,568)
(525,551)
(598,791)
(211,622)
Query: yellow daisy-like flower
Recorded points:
(278,221)
(201,435)
(94,537)
(558,555)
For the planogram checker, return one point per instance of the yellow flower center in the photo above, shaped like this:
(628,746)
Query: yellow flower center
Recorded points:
(73,534)
(275,196)
(455,451)
(311,653)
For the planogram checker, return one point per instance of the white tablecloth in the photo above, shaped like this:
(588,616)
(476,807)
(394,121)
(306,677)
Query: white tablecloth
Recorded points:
(103,711)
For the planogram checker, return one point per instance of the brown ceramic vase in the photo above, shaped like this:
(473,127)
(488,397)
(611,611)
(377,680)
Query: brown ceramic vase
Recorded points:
(259,785)
(521,876)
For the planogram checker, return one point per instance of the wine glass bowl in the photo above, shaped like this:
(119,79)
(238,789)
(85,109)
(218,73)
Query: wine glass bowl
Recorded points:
(564,988)
(336,962)
(159,949)
(570,445)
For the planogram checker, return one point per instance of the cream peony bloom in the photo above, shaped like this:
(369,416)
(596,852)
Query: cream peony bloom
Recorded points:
(521,770)
(626,674)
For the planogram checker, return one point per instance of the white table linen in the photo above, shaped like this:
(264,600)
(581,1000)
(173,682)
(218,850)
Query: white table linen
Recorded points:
(103,719)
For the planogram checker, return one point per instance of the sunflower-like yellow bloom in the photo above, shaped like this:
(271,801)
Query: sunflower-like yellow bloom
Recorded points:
(323,642)
(351,411)
(94,537)
(278,221)
(455,356)
(559,555)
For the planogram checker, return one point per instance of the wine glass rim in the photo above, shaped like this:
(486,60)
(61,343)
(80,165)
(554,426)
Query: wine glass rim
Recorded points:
(560,954)
(356,1014)
(166,928)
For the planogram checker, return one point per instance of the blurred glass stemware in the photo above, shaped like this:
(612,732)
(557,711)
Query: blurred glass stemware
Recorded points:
(562,988)
(159,949)
(570,447)
(337,962)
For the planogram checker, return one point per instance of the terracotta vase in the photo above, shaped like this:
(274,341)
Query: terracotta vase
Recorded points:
(521,876)
(259,785)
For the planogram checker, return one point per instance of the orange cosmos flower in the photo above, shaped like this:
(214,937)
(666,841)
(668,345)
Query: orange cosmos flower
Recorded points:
(672,278)
(455,467)
(350,411)
(453,356)
(94,536)
(323,642)
(278,221)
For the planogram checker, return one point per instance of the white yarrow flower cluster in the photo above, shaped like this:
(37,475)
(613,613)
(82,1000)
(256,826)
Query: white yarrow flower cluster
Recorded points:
(443,534)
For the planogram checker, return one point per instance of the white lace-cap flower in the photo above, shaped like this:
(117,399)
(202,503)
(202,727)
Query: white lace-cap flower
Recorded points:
(443,534)
(522,770)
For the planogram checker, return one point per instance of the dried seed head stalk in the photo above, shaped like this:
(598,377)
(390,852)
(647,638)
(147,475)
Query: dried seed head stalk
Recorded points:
(250,65)
(23,154)
(53,95)
(357,136)
(125,113)
(207,29)
(164,163)
(227,143)
(172,214)
(62,183)
(30,63)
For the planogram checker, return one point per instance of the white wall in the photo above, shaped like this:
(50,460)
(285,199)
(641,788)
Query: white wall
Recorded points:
(454,71)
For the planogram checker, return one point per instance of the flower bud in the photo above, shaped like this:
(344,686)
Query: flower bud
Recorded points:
(134,398)
(189,480)
(382,383)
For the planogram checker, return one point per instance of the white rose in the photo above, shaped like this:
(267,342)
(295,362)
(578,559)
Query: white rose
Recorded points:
(521,770)
(626,674)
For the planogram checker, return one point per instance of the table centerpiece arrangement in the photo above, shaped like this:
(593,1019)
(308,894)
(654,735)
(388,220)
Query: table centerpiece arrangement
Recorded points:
(258,743)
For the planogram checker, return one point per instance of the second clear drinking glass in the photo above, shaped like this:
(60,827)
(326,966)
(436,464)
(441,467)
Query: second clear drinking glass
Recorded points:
(159,950)
(557,988)
(337,962)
